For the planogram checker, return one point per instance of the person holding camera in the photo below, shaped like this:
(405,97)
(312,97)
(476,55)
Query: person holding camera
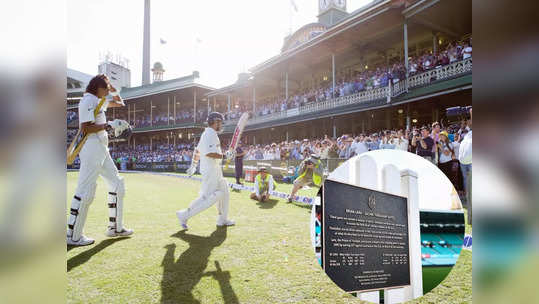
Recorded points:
(401,141)
(387,141)
(311,172)
(447,160)
(423,143)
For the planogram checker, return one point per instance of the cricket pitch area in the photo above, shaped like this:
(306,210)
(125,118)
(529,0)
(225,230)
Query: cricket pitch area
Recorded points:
(266,257)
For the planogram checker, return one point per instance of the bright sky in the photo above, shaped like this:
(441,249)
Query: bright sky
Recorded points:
(435,190)
(235,35)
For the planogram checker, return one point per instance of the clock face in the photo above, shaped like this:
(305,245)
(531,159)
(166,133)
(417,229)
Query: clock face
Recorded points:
(324,4)
(340,3)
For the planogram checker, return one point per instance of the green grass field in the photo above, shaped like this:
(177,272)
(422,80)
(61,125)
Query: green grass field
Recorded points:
(266,258)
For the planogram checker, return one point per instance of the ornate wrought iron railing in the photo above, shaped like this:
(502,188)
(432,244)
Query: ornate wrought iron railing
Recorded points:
(443,72)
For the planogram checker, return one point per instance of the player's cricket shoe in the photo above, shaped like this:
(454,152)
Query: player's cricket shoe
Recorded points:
(289,199)
(226,223)
(83,241)
(113,233)
(182,216)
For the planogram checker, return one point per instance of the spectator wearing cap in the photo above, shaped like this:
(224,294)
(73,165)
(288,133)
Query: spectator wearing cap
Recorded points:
(264,183)
(311,172)
(423,144)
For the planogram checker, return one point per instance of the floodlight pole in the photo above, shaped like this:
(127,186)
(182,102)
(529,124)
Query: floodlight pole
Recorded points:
(146,45)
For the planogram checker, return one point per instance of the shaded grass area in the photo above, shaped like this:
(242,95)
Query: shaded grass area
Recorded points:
(266,258)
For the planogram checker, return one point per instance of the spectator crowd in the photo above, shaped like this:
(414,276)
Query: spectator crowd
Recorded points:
(71,115)
(352,83)
(161,152)
(161,119)
(378,77)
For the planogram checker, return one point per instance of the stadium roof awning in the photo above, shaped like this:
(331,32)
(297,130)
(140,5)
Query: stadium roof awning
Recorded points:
(162,87)
(359,16)
(74,75)
(228,89)
(377,26)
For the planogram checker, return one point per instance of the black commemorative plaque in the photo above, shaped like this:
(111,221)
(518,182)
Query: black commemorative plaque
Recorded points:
(365,237)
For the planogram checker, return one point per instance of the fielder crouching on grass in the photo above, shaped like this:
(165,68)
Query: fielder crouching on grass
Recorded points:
(95,160)
(263,185)
(311,172)
(214,188)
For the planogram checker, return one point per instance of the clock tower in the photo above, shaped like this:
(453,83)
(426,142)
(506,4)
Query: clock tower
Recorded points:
(330,12)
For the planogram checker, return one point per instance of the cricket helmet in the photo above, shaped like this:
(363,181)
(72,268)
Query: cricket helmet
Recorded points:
(213,116)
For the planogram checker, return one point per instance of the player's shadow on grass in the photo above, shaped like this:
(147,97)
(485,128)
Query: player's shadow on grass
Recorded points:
(85,256)
(180,277)
(223,277)
(267,204)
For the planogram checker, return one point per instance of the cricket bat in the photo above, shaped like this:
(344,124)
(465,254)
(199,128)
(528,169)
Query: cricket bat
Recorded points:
(236,137)
(79,140)
(75,147)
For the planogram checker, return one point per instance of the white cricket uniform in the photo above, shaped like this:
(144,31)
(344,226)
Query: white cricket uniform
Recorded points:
(214,188)
(95,160)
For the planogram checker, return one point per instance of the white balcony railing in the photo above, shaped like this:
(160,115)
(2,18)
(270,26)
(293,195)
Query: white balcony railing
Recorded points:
(448,71)
(399,87)
(362,96)
(392,90)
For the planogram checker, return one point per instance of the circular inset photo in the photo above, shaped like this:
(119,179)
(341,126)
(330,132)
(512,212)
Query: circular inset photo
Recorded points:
(388,226)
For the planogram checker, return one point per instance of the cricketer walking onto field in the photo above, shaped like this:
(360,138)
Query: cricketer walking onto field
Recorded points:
(95,160)
(214,188)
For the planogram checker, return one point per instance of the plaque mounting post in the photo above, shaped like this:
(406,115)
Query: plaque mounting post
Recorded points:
(409,188)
